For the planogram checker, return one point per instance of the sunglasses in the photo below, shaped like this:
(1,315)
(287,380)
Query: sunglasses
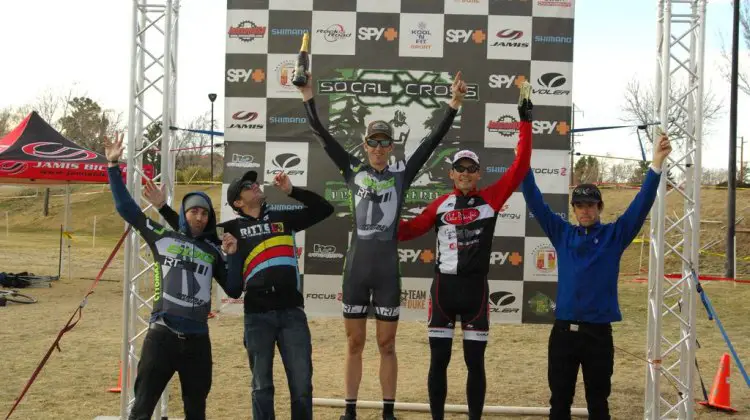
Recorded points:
(382,142)
(470,169)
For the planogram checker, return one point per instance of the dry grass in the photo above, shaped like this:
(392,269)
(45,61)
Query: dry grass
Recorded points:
(73,384)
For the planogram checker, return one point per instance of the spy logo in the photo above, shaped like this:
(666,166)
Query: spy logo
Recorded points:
(463,36)
(506,81)
(243,75)
(375,34)
(550,127)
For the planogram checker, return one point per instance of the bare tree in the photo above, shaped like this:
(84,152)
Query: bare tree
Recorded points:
(193,145)
(619,172)
(743,78)
(639,109)
(713,176)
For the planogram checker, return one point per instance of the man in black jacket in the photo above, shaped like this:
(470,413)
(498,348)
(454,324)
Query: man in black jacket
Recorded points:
(267,266)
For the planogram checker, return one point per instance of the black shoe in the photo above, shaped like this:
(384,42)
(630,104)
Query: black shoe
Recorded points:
(348,417)
(390,417)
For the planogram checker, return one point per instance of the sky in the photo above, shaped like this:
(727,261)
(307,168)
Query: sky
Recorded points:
(86,45)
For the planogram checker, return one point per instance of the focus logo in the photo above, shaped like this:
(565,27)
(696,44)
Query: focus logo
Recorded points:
(550,171)
(321,296)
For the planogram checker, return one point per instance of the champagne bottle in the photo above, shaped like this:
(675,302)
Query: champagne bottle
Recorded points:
(303,62)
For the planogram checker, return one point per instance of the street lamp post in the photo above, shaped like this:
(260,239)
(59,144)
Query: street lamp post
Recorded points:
(212,98)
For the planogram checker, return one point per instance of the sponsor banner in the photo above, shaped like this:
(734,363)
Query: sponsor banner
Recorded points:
(540,260)
(380,6)
(553,8)
(504,83)
(417,257)
(288,157)
(551,169)
(511,7)
(290,4)
(551,83)
(509,37)
(280,70)
(511,219)
(505,302)
(323,296)
(286,29)
(333,33)
(467,7)
(286,121)
(507,259)
(245,120)
(501,125)
(539,301)
(553,39)
(245,75)
(247,32)
(421,35)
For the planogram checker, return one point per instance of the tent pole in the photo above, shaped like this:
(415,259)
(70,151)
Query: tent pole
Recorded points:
(67,228)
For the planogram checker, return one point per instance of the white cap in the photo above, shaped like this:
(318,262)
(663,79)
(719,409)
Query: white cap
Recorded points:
(466,154)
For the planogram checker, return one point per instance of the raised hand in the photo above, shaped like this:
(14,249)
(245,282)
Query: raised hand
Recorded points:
(306,90)
(113,149)
(282,182)
(662,149)
(154,194)
(524,102)
(228,244)
(458,91)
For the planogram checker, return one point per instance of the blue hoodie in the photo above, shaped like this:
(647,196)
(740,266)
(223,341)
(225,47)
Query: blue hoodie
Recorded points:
(589,257)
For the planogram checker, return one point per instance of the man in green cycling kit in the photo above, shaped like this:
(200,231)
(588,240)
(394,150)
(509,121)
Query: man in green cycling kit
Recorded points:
(371,272)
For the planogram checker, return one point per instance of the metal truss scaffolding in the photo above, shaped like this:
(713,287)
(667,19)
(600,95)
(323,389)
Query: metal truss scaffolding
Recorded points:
(152,95)
(675,234)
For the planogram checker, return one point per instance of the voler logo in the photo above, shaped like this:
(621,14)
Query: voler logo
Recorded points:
(325,252)
(247,31)
(243,161)
(560,128)
(334,33)
(506,81)
(501,258)
(411,255)
(286,162)
(505,125)
(242,120)
(551,84)
(366,33)
(509,38)
(463,36)
(500,302)
(243,75)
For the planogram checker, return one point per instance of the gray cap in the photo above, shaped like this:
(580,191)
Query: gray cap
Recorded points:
(196,200)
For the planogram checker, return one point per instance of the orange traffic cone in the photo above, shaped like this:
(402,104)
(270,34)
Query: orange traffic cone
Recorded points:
(118,388)
(719,398)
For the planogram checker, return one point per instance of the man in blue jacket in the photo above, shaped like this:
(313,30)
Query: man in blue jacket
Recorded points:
(588,267)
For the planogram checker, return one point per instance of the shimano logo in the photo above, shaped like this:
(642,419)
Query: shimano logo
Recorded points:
(553,39)
(288,31)
(284,207)
(496,169)
(287,120)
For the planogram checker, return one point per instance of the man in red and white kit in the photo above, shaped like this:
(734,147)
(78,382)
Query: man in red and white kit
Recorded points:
(465,224)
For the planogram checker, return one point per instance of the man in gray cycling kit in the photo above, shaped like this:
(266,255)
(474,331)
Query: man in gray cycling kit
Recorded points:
(372,266)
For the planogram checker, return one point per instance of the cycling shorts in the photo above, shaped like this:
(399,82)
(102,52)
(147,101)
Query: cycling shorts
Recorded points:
(375,282)
(467,298)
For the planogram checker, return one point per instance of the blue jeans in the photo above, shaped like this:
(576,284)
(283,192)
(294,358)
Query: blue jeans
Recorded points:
(287,329)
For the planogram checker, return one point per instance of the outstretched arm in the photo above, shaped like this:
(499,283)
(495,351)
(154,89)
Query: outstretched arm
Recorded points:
(316,208)
(629,224)
(158,199)
(552,224)
(497,193)
(337,153)
(418,226)
(428,145)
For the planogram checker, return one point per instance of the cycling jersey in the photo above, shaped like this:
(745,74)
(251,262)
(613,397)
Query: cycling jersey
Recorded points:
(267,254)
(184,265)
(376,197)
(465,226)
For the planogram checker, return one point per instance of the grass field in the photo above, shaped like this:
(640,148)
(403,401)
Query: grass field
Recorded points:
(73,384)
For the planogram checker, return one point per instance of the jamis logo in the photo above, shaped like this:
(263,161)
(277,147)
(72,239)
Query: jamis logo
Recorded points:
(247,31)
(242,120)
(51,150)
(334,33)
(461,217)
(505,125)
(10,167)
(285,162)
(545,259)
(508,38)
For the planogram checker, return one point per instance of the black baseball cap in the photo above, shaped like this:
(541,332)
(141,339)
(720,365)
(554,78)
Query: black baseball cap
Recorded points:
(238,184)
(586,193)
(379,127)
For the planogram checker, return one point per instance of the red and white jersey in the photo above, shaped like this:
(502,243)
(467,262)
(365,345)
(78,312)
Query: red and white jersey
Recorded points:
(465,223)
